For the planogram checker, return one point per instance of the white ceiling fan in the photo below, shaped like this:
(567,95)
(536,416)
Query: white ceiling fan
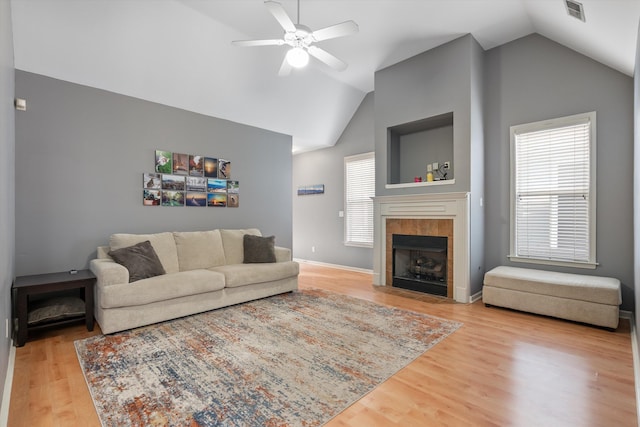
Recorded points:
(301,39)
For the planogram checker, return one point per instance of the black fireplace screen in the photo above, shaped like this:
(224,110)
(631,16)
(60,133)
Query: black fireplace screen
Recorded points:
(420,263)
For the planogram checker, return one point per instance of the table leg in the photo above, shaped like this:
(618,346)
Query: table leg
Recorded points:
(88,305)
(21,308)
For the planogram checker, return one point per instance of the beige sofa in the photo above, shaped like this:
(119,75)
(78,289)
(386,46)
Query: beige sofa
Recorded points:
(204,271)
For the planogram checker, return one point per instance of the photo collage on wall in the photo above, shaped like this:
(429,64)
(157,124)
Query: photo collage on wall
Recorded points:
(189,180)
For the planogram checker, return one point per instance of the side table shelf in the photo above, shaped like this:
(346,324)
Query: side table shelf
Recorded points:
(52,284)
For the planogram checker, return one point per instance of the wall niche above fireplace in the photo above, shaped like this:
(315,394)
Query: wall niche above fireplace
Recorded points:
(415,145)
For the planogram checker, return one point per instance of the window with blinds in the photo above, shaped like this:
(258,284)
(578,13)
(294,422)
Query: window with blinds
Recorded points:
(553,191)
(359,178)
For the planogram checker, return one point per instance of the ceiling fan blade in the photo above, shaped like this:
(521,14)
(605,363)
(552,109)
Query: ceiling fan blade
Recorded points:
(249,43)
(281,16)
(346,28)
(324,56)
(285,68)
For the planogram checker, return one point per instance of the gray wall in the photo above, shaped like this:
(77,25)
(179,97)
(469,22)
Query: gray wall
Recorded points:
(80,156)
(7,179)
(476,170)
(636,181)
(532,79)
(429,84)
(315,221)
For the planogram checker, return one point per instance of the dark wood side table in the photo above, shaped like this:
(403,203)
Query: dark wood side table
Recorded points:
(26,286)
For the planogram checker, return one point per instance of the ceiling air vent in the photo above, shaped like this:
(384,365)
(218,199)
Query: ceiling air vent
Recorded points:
(575,9)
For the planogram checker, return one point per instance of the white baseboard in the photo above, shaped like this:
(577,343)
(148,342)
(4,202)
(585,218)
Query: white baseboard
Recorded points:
(624,314)
(340,267)
(476,297)
(8,382)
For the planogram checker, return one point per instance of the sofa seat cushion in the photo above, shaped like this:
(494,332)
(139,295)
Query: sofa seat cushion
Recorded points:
(602,290)
(161,288)
(163,244)
(237,275)
(199,249)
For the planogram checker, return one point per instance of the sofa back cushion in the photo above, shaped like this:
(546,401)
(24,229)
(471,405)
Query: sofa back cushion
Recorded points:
(199,249)
(232,241)
(162,243)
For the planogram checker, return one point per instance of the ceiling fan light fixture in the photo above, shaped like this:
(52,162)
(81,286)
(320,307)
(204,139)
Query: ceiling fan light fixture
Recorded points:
(297,57)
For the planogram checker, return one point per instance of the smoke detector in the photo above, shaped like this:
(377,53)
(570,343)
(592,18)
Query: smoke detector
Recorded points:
(575,9)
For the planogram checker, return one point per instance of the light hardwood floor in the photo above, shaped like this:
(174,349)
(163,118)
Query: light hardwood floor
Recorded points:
(501,368)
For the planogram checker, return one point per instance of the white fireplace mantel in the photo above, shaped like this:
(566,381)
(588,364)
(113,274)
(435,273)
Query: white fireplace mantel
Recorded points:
(453,206)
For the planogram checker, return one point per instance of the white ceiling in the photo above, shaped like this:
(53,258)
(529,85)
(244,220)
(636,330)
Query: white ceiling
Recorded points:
(179,52)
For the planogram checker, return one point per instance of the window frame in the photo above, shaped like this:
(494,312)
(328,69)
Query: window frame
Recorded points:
(347,159)
(576,119)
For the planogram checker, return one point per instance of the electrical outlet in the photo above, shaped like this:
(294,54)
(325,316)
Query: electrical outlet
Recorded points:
(435,166)
(429,167)
(447,165)
(313,249)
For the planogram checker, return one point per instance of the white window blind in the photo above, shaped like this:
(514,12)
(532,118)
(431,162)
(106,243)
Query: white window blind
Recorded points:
(359,188)
(553,177)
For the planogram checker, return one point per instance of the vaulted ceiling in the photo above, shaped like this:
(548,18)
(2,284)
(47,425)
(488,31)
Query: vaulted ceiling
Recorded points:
(179,52)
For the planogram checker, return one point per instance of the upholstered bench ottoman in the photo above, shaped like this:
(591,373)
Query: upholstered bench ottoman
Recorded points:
(588,299)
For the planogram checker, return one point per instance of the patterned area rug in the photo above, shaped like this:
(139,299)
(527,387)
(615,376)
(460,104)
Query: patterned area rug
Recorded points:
(297,359)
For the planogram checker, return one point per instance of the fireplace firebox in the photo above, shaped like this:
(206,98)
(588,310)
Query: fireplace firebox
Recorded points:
(420,263)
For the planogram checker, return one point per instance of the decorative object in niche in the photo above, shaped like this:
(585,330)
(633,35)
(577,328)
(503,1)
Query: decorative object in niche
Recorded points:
(190,180)
(412,144)
(304,190)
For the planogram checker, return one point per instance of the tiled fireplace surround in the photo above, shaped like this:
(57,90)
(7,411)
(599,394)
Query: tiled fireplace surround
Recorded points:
(443,214)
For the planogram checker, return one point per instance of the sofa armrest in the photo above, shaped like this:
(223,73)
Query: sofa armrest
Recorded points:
(282,254)
(109,272)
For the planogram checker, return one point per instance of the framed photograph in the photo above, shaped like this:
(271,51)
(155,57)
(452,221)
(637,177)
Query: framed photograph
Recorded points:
(217,200)
(305,190)
(164,161)
(173,182)
(216,185)
(151,181)
(210,167)
(233,187)
(180,164)
(196,166)
(196,183)
(196,199)
(151,197)
(233,200)
(224,169)
(173,198)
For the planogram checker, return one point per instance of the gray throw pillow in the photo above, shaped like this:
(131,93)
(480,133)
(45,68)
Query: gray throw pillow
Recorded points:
(140,259)
(259,249)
